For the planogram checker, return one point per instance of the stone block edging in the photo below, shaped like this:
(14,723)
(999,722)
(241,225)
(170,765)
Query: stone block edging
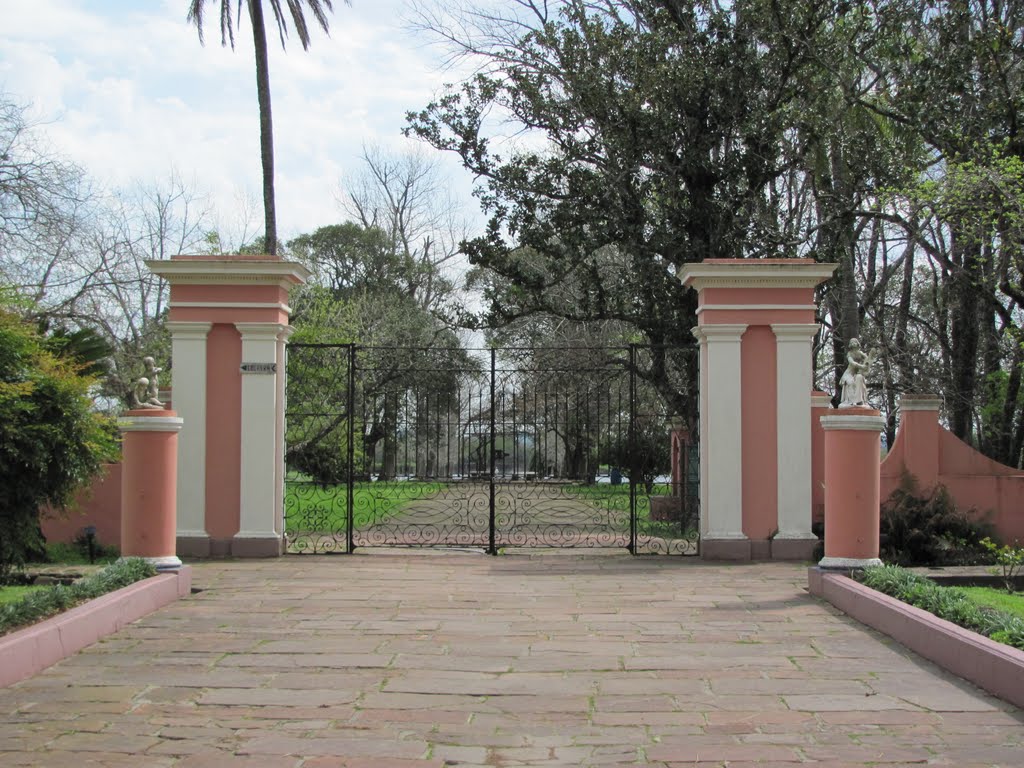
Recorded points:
(995,667)
(29,651)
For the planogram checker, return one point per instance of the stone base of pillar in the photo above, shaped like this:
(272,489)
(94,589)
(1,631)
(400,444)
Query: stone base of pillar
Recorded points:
(725,549)
(847,563)
(191,545)
(794,549)
(257,546)
(164,564)
(760,549)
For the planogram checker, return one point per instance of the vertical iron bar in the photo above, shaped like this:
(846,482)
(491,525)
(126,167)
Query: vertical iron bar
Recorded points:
(557,423)
(350,490)
(515,444)
(491,548)
(632,449)
(405,439)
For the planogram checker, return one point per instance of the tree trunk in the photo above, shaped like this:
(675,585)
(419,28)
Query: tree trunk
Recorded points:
(906,380)
(1006,453)
(259,36)
(964,338)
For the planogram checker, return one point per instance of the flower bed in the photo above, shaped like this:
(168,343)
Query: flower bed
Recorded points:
(996,667)
(59,597)
(949,603)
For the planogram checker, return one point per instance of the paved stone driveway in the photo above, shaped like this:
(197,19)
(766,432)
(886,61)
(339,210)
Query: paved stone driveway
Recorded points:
(463,659)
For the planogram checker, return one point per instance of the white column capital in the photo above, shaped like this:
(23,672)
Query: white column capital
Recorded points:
(821,400)
(150,423)
(920,403)
(285,333)
(867,422)
(795,331)
(188,330)
(724,331)
(256,331)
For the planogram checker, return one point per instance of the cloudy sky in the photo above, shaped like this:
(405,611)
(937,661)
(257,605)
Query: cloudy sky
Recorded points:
(127,92)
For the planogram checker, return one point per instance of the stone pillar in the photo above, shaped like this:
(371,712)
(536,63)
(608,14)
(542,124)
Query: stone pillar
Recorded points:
(229,320)
(794,347)
(919,432)
(262,424)
(721,427)
(149,473)
(755,325)
(821,405)
(188,351)
(852,488)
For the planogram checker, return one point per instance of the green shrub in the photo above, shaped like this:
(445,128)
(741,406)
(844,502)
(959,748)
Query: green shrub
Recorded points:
(47,602)
(892,579)
(1009,561)
(51,441)
(947,603)
(918,530)
(325,464)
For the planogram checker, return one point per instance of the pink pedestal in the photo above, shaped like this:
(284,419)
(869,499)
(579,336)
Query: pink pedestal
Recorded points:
(149,475)
(852,483)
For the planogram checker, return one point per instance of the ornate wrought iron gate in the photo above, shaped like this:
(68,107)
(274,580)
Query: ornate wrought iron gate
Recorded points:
(482,448)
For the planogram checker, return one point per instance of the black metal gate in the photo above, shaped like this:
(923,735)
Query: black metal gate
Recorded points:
(494,449)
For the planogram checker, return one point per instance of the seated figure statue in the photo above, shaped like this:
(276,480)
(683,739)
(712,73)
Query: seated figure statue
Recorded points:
(147,388)
(855,386)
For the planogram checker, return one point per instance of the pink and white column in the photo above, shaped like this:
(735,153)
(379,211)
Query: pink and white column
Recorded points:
(149,470)
(756,325)
(229,327)
(852,488)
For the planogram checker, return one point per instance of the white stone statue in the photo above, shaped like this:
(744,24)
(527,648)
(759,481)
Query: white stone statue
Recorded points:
(147,388)
(853,382)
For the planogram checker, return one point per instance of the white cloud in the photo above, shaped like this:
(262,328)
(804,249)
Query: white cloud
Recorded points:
(133,95)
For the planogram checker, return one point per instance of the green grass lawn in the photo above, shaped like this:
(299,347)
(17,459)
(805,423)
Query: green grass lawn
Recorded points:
(616,497)
(310,508)
(314,508)
(60,553)
(14,594)
(997,598)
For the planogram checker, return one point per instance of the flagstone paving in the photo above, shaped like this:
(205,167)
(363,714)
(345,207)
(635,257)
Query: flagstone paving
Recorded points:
(461,659)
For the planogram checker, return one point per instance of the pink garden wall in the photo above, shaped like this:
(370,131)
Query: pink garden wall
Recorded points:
(934,456)
(98,505)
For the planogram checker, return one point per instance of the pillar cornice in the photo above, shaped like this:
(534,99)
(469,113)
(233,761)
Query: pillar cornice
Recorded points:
(156,423)
(270,331)
(920,403)
(189,329)
(755,273)
(211,271)
(872,421)
(795,331)
(724,331)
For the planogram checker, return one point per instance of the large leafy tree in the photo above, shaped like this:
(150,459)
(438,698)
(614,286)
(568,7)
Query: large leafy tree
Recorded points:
(657,133)
(950,72)
(230,14)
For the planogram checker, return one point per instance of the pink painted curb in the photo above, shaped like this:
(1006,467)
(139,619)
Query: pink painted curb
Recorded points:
(29,651)
(995,667)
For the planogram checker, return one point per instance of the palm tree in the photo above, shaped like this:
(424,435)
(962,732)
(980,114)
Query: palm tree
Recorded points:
(229,9)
